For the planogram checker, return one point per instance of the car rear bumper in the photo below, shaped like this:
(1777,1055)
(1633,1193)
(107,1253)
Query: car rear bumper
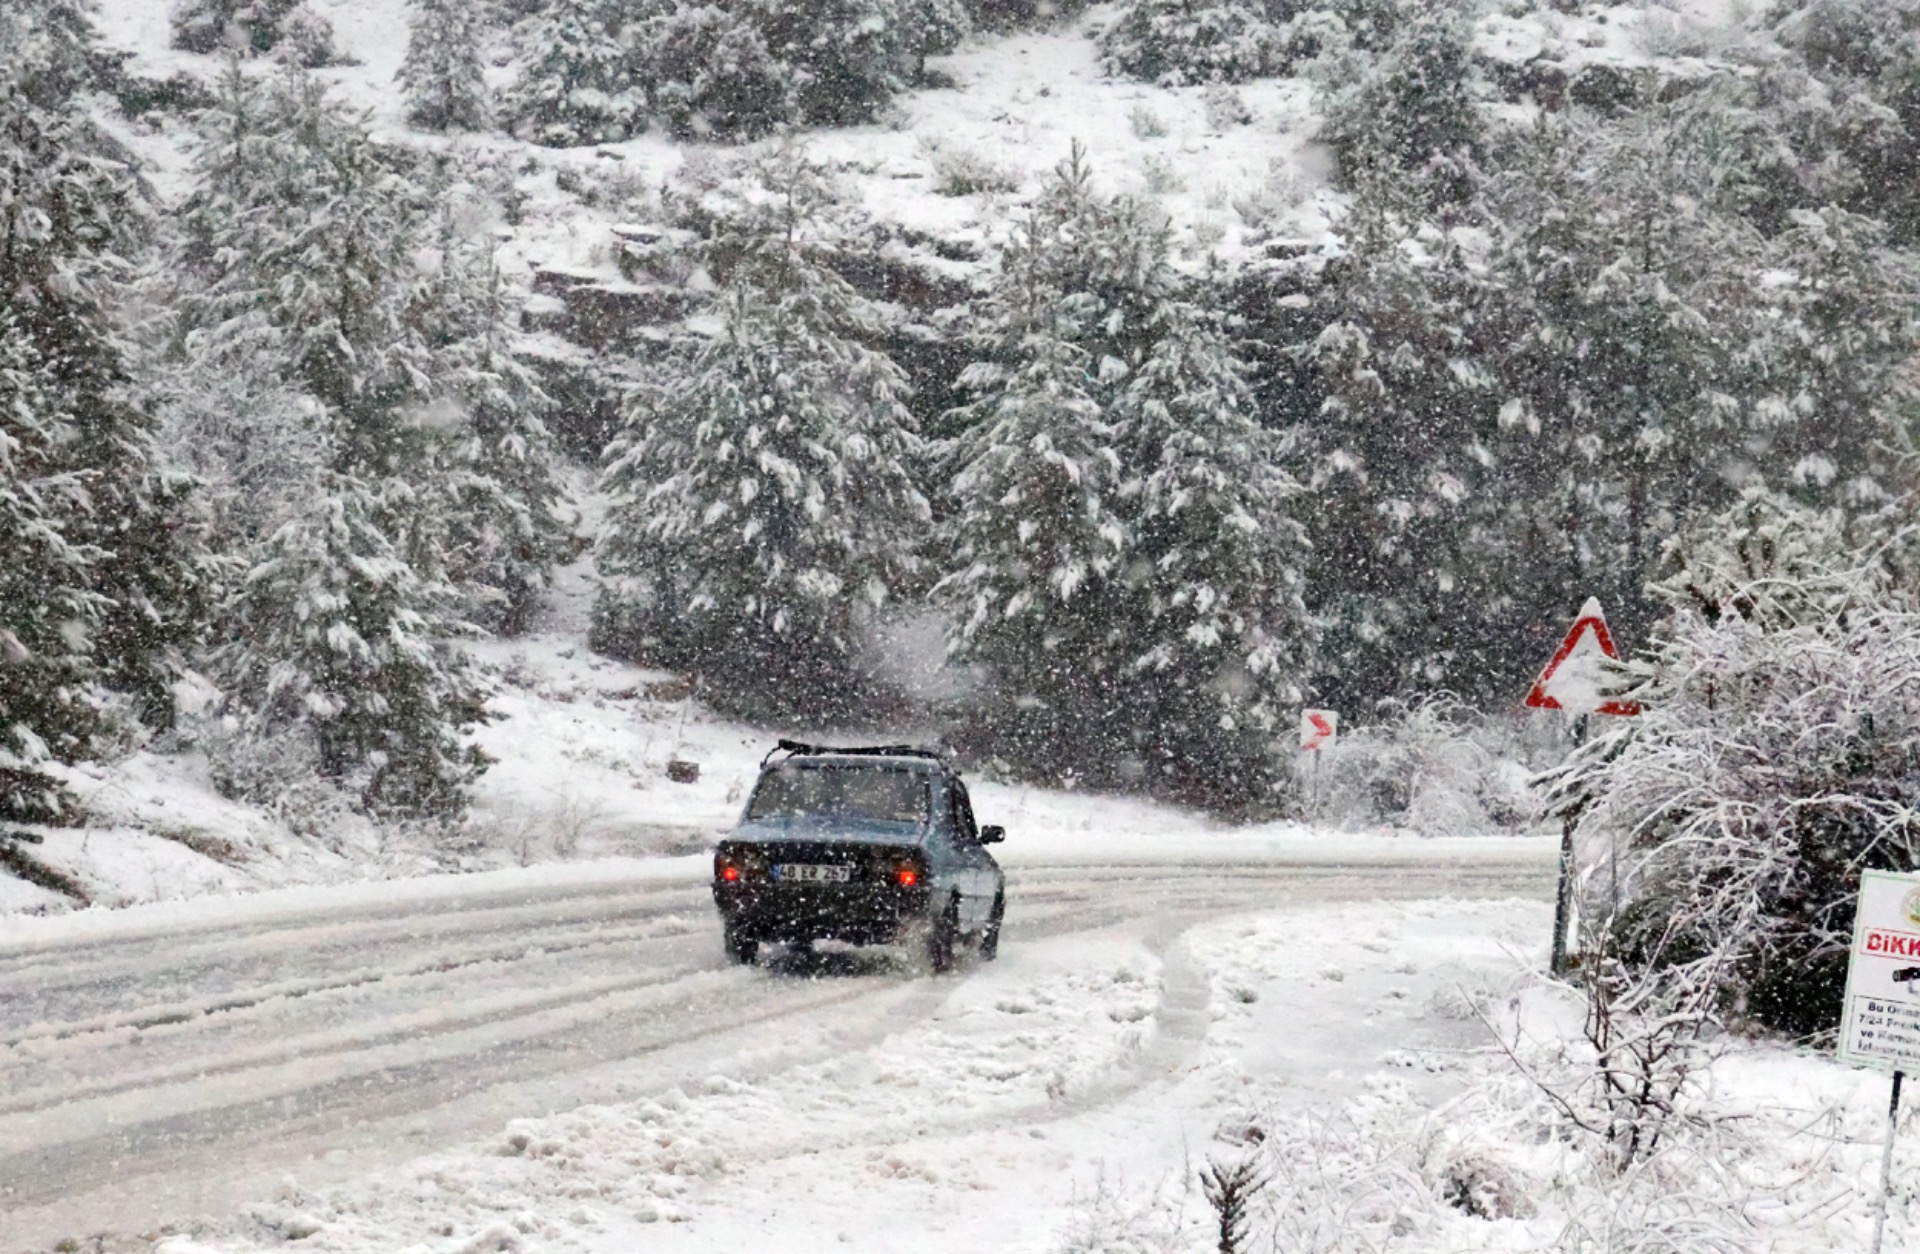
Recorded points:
(862,914)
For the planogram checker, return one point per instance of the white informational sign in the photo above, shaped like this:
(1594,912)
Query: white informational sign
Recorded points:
(1318,728)
(1880,1026)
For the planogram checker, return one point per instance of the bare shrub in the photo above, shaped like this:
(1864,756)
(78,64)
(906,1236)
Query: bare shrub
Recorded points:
(1162,176)
(967,172)
(1115,1219)
(1146,123)
(281,775)
(1430,764)
(1773,763)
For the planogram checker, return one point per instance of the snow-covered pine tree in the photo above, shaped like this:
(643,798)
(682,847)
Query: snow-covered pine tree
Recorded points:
(1408,111)
(300,243)
(932,28)
(578,86)
(1034,545)
(48,610)
(446,88)
(1120,556)
(1829,350)
(849,57)
(84,461)
(1179,42)
(287,28)
(1399,444)
(709,73)
(1618,333)
(50,47)
(500,469)
(764,499)
(1214,574)
(337,637)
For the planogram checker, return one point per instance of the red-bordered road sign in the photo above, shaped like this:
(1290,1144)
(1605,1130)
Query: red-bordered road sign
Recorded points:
(1573,680)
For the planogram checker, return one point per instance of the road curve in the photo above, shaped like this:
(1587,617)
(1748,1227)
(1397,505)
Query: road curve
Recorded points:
(183,1068)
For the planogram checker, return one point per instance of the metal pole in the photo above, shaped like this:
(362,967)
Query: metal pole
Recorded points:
(1563,898)
(1886,1167)
(1563,894)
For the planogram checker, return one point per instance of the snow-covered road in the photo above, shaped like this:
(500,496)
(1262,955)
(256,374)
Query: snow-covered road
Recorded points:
(176,1061)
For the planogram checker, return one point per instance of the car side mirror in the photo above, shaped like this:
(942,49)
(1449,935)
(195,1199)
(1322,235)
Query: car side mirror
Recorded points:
(992,834)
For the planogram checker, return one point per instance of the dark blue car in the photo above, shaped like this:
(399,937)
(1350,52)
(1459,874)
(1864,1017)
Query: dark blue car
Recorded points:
(871,845)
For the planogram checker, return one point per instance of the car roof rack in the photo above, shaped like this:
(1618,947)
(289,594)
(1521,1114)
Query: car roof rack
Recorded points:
(800,748)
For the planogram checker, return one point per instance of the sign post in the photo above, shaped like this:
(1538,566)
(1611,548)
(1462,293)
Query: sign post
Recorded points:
(1880,1024)
(1318,729)
(1576,681)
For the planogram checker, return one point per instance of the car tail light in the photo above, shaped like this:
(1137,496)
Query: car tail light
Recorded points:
(727,870)
(906,876)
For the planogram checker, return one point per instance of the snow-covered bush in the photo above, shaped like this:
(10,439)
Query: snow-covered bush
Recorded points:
(1410,107)
(708,73)
(578,84)
(961,171)
(1777,757)
(1175,42)
(287,28)
(1431,765)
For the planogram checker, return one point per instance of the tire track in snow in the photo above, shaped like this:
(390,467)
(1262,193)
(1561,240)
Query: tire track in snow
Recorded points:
(442,1043)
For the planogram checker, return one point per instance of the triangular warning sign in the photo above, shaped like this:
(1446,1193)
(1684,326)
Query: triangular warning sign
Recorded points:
(1574,679)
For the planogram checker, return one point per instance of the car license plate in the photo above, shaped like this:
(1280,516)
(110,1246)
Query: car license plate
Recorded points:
(811,873)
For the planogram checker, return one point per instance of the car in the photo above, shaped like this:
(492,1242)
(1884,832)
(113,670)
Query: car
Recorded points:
(872,845)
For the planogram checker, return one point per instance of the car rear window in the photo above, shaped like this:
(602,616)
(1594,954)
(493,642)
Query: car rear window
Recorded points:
(889,796)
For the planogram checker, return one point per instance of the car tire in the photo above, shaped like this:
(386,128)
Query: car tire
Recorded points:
(942,937)
(990,936)
(741,949)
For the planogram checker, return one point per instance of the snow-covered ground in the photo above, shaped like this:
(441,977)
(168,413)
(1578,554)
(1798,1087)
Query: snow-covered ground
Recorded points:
(557,1059)
(275,1063)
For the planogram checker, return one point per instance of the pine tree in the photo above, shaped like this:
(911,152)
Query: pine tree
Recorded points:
(764,500)
(49,47)
(1410,111)
(1215,570)
(709,73)
(1036,542)
(287,28)
(849,57)
(446,89)
(1120,553)
(1403,447)
(300,239)
(336,634)
(499,470)
(48,611)
(1178,42)
(578,86)
(103,586)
